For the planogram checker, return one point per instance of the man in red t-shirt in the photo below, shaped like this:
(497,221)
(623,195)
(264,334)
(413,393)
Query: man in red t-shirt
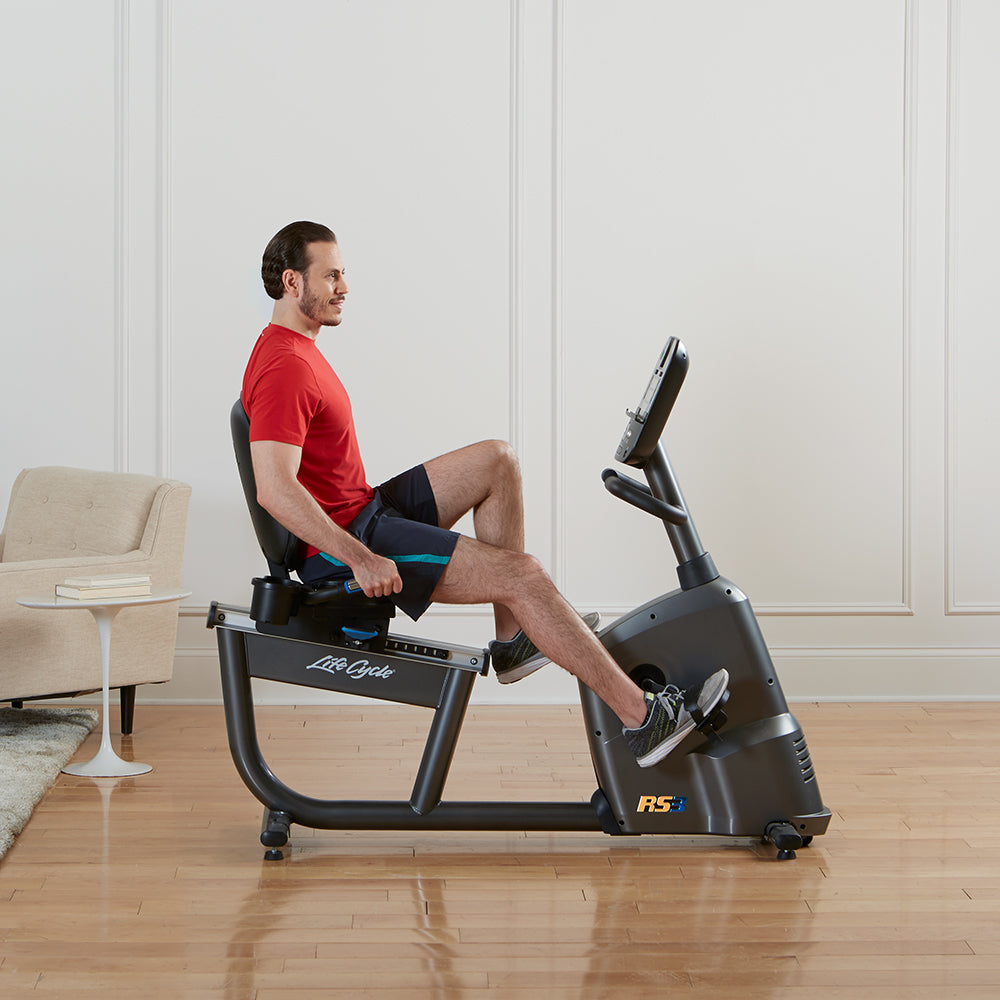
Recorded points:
(396,539)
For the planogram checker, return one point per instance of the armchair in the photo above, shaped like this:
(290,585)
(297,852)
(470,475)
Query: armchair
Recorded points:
(65,522)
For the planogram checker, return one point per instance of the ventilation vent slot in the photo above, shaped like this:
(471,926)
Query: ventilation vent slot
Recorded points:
(805,762)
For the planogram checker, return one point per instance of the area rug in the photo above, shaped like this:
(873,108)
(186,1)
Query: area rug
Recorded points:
(35,744)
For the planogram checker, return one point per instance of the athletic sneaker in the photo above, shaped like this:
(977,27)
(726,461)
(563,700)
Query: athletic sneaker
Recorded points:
(516,658)
(668,721)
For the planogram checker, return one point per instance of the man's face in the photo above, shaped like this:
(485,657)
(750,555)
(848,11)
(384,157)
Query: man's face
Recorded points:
(323,286)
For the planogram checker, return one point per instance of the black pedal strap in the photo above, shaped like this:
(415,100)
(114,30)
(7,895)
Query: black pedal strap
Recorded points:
(691,705)
(707,725)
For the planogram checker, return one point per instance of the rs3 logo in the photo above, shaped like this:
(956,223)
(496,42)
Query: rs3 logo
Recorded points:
(661,803)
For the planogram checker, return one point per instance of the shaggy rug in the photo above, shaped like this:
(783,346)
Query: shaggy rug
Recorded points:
(35,744)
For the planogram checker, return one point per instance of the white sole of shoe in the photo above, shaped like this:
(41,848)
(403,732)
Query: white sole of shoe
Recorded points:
(523,669)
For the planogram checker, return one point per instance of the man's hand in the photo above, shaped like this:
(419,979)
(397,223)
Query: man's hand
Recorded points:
(377,576)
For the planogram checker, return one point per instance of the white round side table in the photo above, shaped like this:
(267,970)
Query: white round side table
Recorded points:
(106,764)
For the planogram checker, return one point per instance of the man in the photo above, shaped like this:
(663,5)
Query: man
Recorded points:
(396,540)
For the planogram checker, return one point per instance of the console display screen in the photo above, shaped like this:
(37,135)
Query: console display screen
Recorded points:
(654,383)
(648,396)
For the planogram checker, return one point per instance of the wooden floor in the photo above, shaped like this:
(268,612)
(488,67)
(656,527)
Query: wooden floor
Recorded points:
(156,886)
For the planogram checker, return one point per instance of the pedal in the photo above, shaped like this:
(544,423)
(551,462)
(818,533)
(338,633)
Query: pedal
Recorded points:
(710,724)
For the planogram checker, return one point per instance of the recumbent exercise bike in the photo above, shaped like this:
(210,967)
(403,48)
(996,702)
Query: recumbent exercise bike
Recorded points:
(744,772)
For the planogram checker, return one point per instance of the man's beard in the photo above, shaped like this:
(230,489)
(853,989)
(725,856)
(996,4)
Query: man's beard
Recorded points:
(312,307)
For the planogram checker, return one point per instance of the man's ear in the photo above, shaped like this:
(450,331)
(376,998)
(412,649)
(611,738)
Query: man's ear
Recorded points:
(291,282)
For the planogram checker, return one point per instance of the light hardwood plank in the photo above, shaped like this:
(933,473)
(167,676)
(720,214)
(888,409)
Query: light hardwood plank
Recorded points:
(156,885)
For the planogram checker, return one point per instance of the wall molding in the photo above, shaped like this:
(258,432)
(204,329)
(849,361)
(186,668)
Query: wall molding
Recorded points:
(164,244)
(122,181)
(558,333)
(856,673)
(818,610)
(516,229)
(908,209)
(141,238)
(885,652)
(953,606)
(910,105)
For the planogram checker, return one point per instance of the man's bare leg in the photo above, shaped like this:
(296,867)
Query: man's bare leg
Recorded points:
(479,573)
(486,479)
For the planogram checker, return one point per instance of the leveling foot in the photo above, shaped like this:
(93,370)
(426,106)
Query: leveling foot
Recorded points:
(274,833)
(786,838)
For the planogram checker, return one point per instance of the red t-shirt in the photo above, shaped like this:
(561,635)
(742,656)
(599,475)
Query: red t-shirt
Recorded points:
(292,395)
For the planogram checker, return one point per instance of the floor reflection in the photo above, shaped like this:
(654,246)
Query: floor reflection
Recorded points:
(568,915)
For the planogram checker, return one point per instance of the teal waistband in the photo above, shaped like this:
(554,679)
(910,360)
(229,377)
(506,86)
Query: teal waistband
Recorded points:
(424,558)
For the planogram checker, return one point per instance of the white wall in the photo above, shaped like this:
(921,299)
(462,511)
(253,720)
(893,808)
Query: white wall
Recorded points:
(530,197)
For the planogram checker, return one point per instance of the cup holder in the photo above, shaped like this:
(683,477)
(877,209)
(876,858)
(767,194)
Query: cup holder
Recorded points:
(274,600)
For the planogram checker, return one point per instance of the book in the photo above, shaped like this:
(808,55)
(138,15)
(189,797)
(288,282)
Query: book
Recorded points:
(101,593)
(96,588)
(105,580)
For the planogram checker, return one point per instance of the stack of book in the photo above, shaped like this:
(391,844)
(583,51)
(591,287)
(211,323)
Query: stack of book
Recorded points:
(100,588)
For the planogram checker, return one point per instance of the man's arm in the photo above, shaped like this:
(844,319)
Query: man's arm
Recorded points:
(275,467)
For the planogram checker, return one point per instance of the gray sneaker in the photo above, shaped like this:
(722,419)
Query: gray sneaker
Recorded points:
(516,658)
(668,721)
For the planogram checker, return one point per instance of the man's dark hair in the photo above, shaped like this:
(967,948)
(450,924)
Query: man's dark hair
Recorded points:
(289,249)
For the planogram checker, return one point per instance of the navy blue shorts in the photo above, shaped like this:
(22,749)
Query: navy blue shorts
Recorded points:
(401,524)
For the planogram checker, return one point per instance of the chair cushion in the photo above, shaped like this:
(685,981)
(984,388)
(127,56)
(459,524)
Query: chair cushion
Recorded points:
(58,512)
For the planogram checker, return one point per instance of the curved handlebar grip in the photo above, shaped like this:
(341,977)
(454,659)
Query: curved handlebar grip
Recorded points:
(638,495)
(333,588)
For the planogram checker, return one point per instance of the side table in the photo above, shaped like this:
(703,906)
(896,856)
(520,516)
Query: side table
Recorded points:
(106,764)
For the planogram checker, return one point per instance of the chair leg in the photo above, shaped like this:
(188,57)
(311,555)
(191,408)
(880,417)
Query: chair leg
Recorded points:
(127,698)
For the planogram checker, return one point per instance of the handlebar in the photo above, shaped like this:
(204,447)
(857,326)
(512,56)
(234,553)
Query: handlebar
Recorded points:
(334,588)
(638,495)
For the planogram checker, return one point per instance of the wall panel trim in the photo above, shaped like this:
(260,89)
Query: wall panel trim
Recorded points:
(902,607)
(164,242)
(558,297)
(516,229)
(122,330)
(952,332)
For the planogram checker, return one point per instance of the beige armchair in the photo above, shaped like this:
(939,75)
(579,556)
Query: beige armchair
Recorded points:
(72,522)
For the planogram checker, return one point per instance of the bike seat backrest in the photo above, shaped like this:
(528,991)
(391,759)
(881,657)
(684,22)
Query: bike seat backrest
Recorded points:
(282,550)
